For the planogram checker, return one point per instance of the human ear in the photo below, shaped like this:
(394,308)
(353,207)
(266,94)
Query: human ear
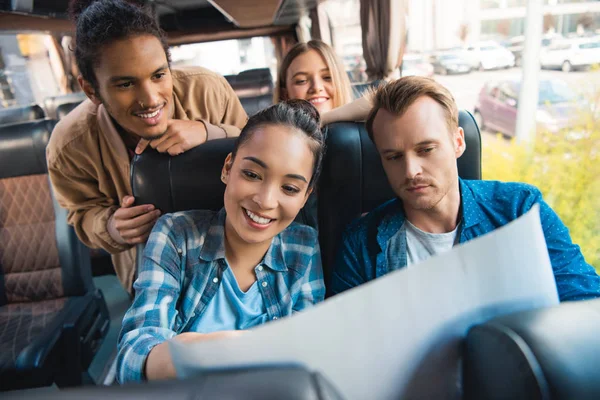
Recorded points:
(89,90)
(459,142)
(226,168)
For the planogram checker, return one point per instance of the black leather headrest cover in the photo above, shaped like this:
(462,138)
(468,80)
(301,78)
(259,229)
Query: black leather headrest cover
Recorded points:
(550,353)
(188,181)
(66,108)
(21,114)
(254,104)
(23,148)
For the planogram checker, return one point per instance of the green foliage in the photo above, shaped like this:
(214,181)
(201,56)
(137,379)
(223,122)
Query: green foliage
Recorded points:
(565,166)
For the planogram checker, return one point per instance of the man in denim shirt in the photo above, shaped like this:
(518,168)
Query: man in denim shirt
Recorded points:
(414,125)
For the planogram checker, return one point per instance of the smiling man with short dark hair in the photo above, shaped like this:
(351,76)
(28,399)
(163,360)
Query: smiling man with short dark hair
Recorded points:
(135,100)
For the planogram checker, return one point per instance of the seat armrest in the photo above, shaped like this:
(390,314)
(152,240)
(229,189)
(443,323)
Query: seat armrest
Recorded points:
(83,330)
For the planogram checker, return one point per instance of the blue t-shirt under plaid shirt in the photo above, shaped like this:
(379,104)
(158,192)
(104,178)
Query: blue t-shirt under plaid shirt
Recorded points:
(183,264)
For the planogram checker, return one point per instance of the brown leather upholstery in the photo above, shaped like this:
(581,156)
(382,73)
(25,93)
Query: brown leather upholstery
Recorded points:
(52,318)
(28,252)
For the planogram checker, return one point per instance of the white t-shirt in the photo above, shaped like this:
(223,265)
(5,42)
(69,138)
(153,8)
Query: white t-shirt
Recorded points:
(422,245)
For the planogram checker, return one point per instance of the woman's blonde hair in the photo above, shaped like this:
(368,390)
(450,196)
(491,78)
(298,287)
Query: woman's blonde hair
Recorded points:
(341,83)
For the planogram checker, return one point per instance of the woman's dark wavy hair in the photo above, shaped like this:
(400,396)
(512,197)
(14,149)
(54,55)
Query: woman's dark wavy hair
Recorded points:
(101,22)
(296,114)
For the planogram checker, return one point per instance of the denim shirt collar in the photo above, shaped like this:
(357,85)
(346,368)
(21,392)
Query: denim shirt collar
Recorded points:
(394,218)
(214,245)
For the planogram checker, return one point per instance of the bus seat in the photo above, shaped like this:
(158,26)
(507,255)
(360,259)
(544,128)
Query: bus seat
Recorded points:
(189,181)
(52,103)
(353,181)
(21,114)
(265,383)
(254,88)
(358,89)
(254,104)
(548,353)
(52,319)
(65,108)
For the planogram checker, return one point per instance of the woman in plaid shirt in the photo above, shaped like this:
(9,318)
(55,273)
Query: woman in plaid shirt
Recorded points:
(208,274)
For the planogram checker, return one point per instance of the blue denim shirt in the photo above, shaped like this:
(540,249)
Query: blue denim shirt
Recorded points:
(182,268)
(366,252)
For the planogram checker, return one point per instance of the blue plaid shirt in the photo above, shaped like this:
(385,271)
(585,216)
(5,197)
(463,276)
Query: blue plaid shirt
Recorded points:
(182,268)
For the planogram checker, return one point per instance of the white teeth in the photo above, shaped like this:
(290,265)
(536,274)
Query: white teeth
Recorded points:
(151,115)
(318,100)
(257,219)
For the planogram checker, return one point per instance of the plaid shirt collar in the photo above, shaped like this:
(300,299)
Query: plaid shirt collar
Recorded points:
(213,247)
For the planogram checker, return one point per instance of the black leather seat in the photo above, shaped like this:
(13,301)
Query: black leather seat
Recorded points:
(21,114)
(254,104)
(271,383)
(51,104)
(52,318)
(353,181)
(189,181)
(550,353)
(254,88)
(65,108)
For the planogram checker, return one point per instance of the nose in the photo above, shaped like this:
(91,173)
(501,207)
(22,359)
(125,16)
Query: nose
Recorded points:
(316,85)
(148,95)
(266,197)
(412,167)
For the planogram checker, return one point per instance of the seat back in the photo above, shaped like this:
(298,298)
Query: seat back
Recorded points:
(190,181)
(40,256)
(21,114)
(549,353)
(254,88)
(254,104)
(63,109)
(353,181)
(52,103)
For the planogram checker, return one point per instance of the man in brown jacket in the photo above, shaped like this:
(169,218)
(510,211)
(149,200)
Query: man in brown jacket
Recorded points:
(135,100)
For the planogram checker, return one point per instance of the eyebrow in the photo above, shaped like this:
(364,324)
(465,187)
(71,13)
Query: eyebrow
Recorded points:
(421,143)
(265,166)
(306,73)
(114,79)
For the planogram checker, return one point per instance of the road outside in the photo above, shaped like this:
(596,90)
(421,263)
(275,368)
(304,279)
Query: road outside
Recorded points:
(465,88)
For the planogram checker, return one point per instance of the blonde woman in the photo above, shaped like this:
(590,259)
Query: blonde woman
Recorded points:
(312,71)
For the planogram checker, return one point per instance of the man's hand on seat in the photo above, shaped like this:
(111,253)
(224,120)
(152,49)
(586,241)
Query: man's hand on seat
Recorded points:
(181,135)
(132,225)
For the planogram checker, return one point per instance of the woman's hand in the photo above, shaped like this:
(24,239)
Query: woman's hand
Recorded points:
(159,364)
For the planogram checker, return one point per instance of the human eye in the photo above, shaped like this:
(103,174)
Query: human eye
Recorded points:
(427,150)
(250,175)
(125,85)
(393,157)
(159,75)
(290,189)
(327,78)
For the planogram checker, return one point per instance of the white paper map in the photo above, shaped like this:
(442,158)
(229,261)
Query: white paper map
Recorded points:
(399,336)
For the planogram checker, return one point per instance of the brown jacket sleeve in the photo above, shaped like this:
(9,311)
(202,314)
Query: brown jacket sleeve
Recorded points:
(209,98)
(78,191)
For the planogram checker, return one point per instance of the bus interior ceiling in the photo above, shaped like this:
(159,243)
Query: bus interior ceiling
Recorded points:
(185,22)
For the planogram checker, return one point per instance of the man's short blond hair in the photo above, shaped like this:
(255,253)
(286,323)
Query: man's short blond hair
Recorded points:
(396,96)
